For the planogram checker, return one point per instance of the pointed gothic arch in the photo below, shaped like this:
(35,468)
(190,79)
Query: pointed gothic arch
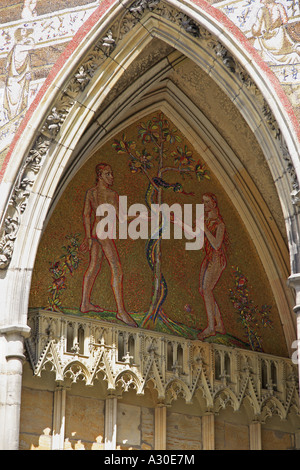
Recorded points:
(66,116)
(63,135)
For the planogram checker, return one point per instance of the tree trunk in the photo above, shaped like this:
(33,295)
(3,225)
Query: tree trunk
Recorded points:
(153,312)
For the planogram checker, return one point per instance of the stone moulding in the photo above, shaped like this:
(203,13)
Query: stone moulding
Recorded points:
(125,358)
(84,75)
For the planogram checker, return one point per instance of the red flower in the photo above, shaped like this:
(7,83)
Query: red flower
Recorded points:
(242,281)
(59,283)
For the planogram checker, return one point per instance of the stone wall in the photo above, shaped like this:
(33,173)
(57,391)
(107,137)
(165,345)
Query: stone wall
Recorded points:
(85,421)
(36,419)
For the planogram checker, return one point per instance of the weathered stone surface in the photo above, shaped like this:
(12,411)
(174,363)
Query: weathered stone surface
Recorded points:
(129,425)
(80,410)
(276,440)
(35,442)
(36,419)
(147,428)
(229,436)
(183,432)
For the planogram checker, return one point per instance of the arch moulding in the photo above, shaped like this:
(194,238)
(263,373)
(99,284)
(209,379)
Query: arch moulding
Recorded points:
(65,114)
(67,107)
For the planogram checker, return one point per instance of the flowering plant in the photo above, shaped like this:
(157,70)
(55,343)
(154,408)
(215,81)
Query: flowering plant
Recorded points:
(67,263)
(250,315)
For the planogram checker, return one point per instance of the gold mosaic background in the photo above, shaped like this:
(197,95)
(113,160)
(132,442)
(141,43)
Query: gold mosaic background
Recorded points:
(180,267)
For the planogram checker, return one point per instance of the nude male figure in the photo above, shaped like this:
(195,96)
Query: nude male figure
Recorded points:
(102,193)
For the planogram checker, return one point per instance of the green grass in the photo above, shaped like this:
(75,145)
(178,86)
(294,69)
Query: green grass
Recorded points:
(169,327)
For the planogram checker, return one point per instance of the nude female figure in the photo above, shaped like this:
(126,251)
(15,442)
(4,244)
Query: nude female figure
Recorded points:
(214,262)
(212,265)
(101,193)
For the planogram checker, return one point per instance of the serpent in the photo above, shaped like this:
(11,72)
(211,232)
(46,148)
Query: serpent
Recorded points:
(153,244)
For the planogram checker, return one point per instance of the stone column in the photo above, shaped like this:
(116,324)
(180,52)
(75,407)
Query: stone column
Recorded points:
(294,282)
(59,419)
(255,436)
(110,441)
(297,440)
(160,426)
(11,383)
(208,431)
(297,342)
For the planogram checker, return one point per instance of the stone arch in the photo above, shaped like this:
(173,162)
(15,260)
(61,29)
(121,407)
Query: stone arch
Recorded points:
(225,397)
(267,239)
(128,379)
(176,388)
(154,383)
(271,406)
(48,140)
(59,143)
(155,389)
(75,370)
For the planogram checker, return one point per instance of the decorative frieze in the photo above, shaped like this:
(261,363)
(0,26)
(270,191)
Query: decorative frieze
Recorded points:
(47,30)
(19,198)
(127,358)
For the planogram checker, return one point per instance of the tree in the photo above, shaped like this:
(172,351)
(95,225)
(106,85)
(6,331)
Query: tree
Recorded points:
(160,153)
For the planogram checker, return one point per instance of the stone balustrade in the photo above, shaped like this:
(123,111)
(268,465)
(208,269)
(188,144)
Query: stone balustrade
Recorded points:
(79,348)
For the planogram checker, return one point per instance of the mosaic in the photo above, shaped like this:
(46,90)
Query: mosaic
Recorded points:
(218,293)
(273,28)
(29,46)
(35,32)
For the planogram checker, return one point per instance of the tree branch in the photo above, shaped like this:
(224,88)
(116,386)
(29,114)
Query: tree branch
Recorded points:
(171,168)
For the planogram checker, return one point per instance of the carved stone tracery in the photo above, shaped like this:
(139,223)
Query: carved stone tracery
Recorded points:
(147,367)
